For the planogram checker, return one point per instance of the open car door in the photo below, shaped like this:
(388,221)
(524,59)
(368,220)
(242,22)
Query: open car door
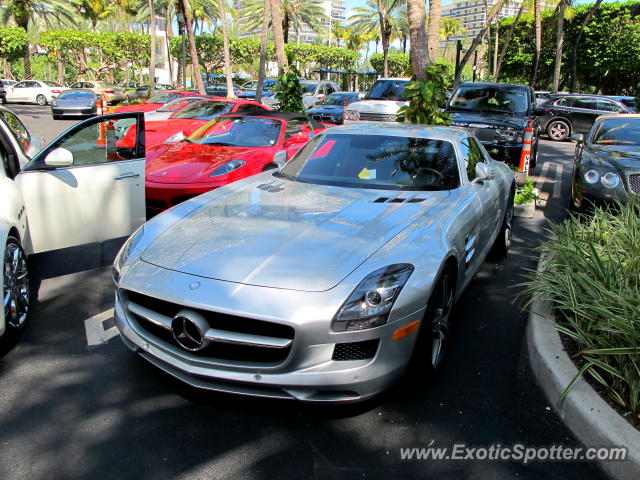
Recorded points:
(86,186)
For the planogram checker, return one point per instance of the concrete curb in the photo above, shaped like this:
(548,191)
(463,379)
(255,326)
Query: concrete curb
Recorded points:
(586,414)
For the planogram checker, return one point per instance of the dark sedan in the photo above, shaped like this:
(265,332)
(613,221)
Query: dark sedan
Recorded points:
(220,89)
(575,114)
(607,161)
(74,103)
(331,109)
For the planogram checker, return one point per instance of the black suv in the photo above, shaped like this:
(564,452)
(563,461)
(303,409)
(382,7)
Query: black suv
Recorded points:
(571,114)
(497,114)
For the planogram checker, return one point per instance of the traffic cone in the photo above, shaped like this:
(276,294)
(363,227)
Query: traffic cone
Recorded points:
(105,105)
(99,106)
(525,156)
(101,134)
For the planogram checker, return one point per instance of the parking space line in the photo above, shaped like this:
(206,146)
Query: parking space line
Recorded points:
(100,328)
(558,184)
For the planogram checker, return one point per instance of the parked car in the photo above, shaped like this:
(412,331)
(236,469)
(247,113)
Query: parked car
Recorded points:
(186,121)
(497,114)
(220,89)
(33,91)
(249,89)
(322,281)
(77,190)
(226,149)
(573,114)
(157,101)
(331,109)
(607,161)
(380,104)
(111,92)
(629,102)
(164,112)
(78,102)
(144,91)
(312,92)
(127,85)
(4,82)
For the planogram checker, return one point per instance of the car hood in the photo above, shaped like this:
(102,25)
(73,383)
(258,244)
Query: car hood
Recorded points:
(337,109)
(625,157)
(183,162)
(175,125)
(282,234)
(140,107)
(377,106)
(486,120)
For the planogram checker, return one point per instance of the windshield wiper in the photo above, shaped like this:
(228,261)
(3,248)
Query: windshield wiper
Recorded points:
(221,144)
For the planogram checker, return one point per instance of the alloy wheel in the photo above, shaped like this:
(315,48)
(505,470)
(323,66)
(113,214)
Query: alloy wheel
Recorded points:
(441,311)
(558,131)
(16,286)
(41,100)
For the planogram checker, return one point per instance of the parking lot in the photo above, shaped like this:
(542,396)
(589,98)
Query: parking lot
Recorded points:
(76,403)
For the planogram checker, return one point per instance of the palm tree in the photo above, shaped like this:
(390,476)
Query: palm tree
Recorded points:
(378,15)
(538,42)
(278,33)
(418,35)
(266,18)
(152,59)
(195,63)
(450,27)
(23,12)
(295,15)
(433,35)
(225,42)
(576,43)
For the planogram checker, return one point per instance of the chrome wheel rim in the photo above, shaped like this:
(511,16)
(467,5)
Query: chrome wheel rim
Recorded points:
(440,325)
(16,286)
(40,100)
(558,131)
(508,225)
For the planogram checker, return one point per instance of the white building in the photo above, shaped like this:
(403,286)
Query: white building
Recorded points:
(473,13)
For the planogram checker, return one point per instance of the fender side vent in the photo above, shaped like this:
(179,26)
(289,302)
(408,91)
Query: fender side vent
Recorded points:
(267,187)
(399,200)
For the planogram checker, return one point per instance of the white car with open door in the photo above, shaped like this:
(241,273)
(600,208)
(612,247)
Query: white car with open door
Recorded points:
(84,187)
(33,91)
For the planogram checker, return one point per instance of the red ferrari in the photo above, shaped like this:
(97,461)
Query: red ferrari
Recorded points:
(156,101)
(184,122)
(226,149)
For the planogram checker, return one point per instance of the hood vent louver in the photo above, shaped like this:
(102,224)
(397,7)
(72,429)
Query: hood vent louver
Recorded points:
(399,200)
(268,187)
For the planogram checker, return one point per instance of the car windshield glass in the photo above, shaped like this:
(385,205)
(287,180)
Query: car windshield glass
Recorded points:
(267,86)
(387,90)
(376,161)
(164,97)
(76,95)
(629,102)
(487,98)
(178,103)
(204,110)
(335,99)
(52,84)
(308,87)
(617,131)
(239,132)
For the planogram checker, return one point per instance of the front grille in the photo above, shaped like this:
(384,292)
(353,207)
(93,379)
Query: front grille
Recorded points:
(216,350)
(485,134)
(324,118)
(634,183)
(378,117)
(156,204)
(355,350)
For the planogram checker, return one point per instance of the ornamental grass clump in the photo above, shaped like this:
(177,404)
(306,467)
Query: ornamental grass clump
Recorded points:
(592,280)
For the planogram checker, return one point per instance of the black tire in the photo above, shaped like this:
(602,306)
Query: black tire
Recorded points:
(56,117)
(41,100)
(502,243)
(558,130)
(4,100)
(433,339)
(15,285)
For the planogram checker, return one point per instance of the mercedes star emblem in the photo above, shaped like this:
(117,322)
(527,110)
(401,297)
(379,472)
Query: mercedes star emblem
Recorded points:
(189,330)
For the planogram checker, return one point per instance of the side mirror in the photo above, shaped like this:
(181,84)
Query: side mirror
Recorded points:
(484,172)
(538,111)
(577,137)
(60,157)
(280,158)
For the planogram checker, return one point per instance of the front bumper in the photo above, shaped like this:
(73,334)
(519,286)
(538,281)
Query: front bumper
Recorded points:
(509,153)
(308,373)
(73,111)
(161,196)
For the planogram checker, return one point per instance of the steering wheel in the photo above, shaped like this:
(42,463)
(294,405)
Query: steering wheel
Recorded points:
(432,170)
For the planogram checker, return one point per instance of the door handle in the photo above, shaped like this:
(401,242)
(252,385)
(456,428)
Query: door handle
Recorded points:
(127,175)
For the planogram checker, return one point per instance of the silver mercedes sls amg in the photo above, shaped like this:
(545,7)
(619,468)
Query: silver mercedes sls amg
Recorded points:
(324,280)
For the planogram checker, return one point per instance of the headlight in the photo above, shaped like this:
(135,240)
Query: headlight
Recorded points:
(508,134)
(125,253)
(54,103)
(591,176)
(371,301)
(175,138)
(352,115)
(610,180)
(228,168)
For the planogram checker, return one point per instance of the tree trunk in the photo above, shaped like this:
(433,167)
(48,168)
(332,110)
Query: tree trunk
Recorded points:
(418,50)
(263,50)
(192,48)
(538,43)
(560,41)
(285,27)
(507,41)
(27,64)
(278,35)
(384,40)
(168,36)
(576,44)
(495,52)
(227,55)
(433,35)
(152,59)
(478,39)
(60,65)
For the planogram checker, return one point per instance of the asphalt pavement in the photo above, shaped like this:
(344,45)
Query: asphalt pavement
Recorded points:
(71,410)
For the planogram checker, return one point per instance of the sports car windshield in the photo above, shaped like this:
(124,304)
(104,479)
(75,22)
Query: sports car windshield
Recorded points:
(617,131)
(336,99)
(485,98)
(204,110)
(179,103)
(163,97)
(238,132)
(375,161)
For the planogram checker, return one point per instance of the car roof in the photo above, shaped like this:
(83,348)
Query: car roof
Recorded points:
(402,130)
(618,115)
(489,84)
(393,78)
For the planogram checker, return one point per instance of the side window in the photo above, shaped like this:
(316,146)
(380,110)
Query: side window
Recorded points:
(563,102)
(294,126)
(607,105)
(18,130)
(246,108)
(21,85)
(473,155)
(329,89)
(584,103)
(76,85)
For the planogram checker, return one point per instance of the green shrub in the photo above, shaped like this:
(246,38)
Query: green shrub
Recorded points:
(425,98)
(525,194)
(592,281)
(289,93)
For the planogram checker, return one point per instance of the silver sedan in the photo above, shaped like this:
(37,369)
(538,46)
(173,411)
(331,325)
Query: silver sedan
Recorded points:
(324,280)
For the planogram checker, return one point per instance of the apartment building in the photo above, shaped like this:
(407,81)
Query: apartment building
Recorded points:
(473,13)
